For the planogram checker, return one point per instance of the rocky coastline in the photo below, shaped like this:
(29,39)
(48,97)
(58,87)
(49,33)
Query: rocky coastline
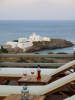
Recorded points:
(53,44)
(44,45)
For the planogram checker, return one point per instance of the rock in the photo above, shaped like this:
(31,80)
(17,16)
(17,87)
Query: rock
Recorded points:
(53,44)
(19,50)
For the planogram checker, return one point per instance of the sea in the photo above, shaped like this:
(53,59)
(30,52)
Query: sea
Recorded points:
(14,29)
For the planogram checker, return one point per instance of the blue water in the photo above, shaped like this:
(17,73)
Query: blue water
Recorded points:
(12,30)
(66,50)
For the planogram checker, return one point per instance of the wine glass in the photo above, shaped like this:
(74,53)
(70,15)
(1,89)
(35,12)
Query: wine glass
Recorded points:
(32,72)
(24,74)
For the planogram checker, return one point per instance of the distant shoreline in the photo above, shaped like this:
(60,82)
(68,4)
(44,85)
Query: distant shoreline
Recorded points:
(65,50)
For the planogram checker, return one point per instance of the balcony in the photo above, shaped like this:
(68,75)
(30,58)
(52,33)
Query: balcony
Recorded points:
(13,74)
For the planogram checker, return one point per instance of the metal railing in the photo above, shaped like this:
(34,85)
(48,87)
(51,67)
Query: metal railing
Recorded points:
(37,55)
(33,55)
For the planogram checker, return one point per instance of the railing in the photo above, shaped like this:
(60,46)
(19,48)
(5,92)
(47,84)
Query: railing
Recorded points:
(33,55)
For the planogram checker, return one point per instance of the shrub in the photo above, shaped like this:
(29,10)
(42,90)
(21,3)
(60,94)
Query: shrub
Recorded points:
(50,53)
(21,60)
(52,61)
(36,53)
(42,58)
(62,53)
(15,41)
(43,61)
(4,50)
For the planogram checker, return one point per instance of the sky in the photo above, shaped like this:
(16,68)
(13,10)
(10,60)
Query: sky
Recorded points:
(37,9)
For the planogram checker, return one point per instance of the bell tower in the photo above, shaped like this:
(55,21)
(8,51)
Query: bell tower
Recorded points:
(33,34)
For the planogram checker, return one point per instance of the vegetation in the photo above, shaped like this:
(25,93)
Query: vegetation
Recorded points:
(35,60)
(62,53)
(15,41)
(43,61)
(50,53)
(21,60)
(4,50)
(36,53)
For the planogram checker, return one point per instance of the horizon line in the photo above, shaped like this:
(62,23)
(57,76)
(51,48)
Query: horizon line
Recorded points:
(34,20)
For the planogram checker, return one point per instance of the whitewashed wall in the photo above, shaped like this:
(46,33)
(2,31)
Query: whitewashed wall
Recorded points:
(20,45)
(12,44)
(45,39)
(25,45)
(35,38)
(38,38)
(23,39)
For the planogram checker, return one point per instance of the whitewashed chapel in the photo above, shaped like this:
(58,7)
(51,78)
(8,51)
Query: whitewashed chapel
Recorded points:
(38,38)
(24,42)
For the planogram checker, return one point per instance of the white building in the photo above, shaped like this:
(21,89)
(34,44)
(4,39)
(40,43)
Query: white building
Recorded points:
(24,42)
(12,44)
(25,45)
(34,37)
(20,45)
(45,39)
(38,38)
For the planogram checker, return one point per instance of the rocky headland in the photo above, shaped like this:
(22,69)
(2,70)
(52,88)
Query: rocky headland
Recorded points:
(53,44)
(44,45)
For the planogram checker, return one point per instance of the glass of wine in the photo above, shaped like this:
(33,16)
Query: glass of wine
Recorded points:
(32,72)
(24,74)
